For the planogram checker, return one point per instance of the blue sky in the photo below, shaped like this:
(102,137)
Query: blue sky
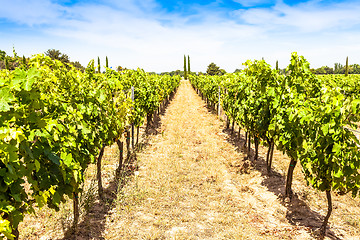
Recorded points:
(155,35)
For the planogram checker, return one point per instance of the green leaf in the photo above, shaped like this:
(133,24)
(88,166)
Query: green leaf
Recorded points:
(53,157)
(355,105)
(6,97)
(18,79)
(336,148)
(325,129)
(67,159)
(37,165)
(5,228)
(32,76)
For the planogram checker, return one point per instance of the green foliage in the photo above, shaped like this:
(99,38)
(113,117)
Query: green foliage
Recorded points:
(212,70)
(6,63)
(78,66)
(307,116)
(57,55)
(53,120)
(188,69)
(2,55)
(99,67)
(323,70)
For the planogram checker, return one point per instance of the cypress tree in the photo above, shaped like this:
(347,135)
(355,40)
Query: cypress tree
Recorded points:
(185,72)
(347,67)
(189,72)
(107,62)
(24,62)
(98,65)
(6,63)
(277,65)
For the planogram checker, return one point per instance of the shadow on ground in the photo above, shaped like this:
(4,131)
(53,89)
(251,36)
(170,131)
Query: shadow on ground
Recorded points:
(92,225)
(298,212)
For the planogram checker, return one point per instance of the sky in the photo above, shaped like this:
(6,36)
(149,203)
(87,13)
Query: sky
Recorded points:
(156,34)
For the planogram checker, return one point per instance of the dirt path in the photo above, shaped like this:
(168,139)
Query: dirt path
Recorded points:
(185,189)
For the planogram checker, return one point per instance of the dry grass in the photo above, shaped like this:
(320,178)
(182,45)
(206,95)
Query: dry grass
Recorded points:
(188,186)
(49,224)
(184,189)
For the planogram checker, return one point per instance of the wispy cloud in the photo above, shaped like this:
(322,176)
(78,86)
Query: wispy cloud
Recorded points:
(30,12)
(251,3)
(311,16)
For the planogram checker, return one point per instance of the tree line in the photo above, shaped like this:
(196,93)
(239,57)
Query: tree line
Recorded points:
(12,62)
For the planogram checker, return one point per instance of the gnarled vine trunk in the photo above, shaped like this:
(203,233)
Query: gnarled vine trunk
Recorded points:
(269,155)
(326,220)
(289,178)
(121,156)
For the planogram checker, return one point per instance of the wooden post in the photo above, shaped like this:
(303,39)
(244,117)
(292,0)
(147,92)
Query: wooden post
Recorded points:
(137,135)
(127,133)
(219,105)
(121,156)
(76,211)
(132,125)
(98,172)
(249,145)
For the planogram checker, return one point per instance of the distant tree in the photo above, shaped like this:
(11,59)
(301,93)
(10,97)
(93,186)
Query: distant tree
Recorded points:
(188,69)
(2,55)
(222,72)
(107,62)
(178,72)
(99,65)
(185,72)
(355,69)
(57,55)
(6,63)
(78,66)
(212,69)
(277,65)
(323,70)
(24,62)
(347,67)
(338,68)
(237,70)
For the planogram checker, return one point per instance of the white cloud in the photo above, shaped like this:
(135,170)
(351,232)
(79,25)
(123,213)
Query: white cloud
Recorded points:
(30,12)
(134,33)
(305,17)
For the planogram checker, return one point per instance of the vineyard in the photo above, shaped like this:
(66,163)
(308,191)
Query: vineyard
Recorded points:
(309,118)
(55,121)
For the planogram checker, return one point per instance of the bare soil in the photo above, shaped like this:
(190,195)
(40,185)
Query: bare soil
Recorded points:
(193,181)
